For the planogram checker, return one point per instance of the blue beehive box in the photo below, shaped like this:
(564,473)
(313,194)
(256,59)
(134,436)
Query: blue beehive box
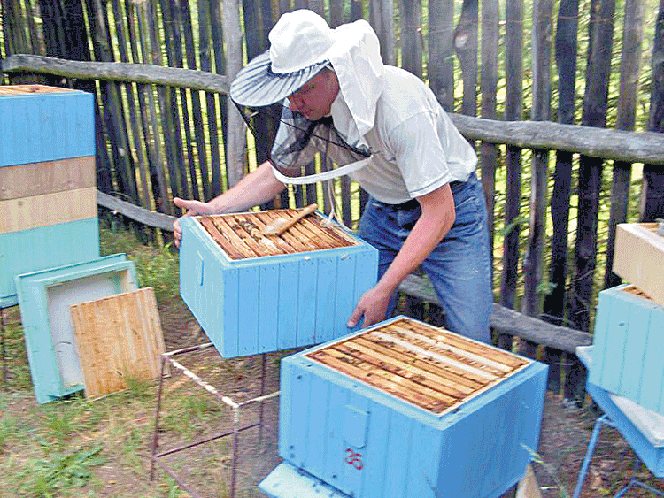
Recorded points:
(45,298)
(406,410)
(643,429)
(253,294)
(627,347)
(48,204)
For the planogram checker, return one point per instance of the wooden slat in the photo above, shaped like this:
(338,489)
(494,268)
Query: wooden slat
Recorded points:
(426,363)
(47,209)
(223,242)
(239,234)
(47,177)
(118,338)
(435,377)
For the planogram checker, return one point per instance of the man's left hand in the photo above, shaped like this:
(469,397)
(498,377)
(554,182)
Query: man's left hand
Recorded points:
(372,305)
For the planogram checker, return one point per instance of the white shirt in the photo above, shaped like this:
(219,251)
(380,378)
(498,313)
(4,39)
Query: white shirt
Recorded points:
(416,148)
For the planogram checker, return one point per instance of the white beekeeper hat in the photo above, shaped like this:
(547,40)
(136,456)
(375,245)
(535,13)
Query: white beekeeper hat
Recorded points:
(301,45)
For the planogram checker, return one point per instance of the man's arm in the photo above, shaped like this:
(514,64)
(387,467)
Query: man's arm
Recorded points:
(436,220)
(257,187)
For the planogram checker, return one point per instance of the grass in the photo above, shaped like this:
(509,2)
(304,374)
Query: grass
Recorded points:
(82,447)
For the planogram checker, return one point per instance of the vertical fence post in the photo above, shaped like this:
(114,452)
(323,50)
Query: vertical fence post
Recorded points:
(236,131)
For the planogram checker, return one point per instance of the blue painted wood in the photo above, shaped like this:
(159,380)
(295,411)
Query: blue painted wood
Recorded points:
(46,127)
(46,247)
(258,305)
(627,345)
(651,455)
(478,450)
(44,300)
(287,481)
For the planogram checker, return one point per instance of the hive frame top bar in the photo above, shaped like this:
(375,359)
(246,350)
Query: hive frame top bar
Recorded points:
(482,373)
(238,234)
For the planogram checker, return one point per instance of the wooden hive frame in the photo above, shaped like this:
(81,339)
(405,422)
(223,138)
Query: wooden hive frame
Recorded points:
(239,235)
(423,365)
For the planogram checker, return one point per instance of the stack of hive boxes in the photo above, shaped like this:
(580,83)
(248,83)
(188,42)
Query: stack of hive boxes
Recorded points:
(628,342)
(49,245)
(48,202)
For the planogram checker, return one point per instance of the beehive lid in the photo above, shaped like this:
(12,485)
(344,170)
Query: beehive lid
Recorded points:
(239,235)
(31,89)
(420,364)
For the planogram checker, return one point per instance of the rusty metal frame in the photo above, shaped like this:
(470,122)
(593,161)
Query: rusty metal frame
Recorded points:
(168,358)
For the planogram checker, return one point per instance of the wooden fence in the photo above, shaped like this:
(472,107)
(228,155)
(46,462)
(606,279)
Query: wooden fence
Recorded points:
(160,70)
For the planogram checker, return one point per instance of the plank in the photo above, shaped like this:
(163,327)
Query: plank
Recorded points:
(47,177)
(118,338)
(47,209)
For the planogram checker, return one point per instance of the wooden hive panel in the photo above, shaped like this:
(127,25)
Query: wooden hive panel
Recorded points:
(118,338)
(45,298)
(45,125)
(627,345)
(639,258)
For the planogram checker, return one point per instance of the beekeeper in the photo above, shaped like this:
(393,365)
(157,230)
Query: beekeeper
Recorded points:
(382,126)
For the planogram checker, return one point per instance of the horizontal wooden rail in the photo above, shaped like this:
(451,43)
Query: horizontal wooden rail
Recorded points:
(136,213)
(642,147)
(117,71)
(510,322)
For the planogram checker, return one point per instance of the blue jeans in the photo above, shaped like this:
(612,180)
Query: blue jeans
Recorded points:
(458,268)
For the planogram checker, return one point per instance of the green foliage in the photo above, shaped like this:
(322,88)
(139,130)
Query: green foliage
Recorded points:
(156,267)
(47,476)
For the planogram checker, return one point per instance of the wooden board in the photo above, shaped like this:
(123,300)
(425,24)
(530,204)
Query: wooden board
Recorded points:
(118,338)
(27,180)
(639,258)
(47,209)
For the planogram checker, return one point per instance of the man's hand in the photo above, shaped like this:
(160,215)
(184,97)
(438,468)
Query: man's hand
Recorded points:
(190,208)
(372,305)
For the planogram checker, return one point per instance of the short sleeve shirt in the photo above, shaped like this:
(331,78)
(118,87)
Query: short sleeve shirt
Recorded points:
(416,147)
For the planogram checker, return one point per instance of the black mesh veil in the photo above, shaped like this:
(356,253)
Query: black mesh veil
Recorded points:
(295,142)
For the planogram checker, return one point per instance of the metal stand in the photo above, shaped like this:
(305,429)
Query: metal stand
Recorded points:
(168,358)
(594,436)
(648,452)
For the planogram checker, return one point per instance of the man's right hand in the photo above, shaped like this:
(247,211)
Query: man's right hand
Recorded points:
(190,208)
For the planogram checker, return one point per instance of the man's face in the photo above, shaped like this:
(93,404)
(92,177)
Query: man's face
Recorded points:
(315,98)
